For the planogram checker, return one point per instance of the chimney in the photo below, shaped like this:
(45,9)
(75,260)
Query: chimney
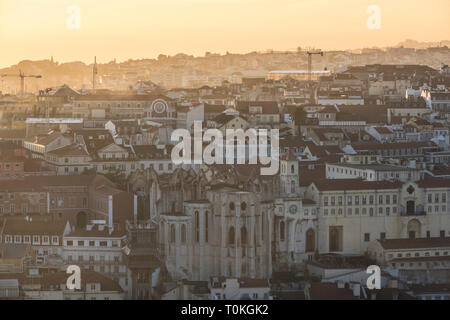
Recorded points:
(135,211)
(110,214)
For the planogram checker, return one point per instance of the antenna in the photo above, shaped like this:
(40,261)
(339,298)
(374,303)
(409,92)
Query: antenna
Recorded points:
(94,73)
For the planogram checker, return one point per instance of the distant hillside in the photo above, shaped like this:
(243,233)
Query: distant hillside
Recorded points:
(422,45)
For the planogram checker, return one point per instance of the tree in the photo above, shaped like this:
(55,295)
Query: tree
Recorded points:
(299,115)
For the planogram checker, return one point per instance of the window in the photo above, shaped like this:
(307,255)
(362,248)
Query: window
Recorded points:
(36,240)
(197,225)
(366,237)
(281,230)
(183,233)
(172,233)
(383,235)
(231,236)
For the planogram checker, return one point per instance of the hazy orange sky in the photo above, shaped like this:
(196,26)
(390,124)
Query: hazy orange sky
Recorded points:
(123,29)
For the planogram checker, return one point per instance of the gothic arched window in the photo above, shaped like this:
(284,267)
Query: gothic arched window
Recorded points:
(231,236)
(281,230)
(172,233)
(183,233)
(244,236)
(206,226)
(197,226)
(310,240)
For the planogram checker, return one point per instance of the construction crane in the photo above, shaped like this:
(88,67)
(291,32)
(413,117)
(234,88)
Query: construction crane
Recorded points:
(22,80)
(310,53)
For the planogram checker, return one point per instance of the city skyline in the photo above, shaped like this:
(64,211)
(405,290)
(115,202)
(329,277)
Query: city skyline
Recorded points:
(32,30)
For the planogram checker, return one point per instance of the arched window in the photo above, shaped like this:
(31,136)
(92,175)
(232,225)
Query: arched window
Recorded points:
(206,226)
(197,226)
(292,169)
(231,236)
(172,233)
(81,220)
(281,230)
(244,236)
(232,206)
(183,233)
(310,240)
(243,206)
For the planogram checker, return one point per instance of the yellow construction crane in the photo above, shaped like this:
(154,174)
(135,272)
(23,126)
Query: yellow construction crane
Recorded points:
(22,80)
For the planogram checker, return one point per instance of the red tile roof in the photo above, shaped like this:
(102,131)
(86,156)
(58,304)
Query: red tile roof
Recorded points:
(354,184)
(418,243)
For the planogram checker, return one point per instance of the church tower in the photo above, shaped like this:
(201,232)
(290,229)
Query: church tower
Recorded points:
(289,177)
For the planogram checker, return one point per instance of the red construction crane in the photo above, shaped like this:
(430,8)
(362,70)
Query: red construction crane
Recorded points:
(22,80)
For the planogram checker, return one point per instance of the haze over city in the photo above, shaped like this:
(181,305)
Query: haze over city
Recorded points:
(121,30)
(224,150)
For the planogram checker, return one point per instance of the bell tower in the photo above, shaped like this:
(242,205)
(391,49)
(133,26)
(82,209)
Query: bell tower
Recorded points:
(289,177)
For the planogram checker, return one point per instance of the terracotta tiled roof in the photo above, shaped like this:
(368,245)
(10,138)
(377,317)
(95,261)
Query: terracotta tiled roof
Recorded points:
(268,107)
(329,291)
(12,134)
(355,184)
(419,243)
(289,156)
(23,227)
(72,150)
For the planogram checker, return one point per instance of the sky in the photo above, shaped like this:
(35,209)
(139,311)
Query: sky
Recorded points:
(124,29)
